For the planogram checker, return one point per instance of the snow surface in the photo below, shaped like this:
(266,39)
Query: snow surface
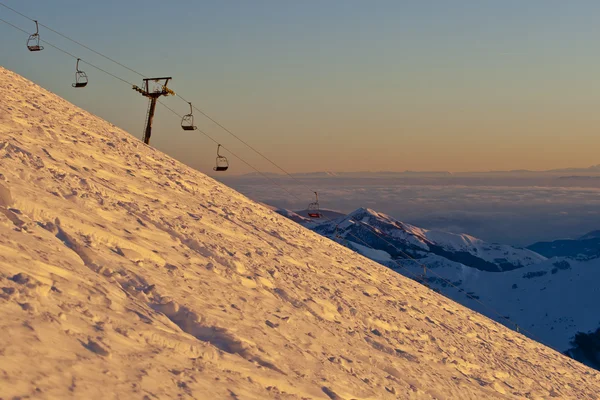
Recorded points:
(553,303)
(126,274)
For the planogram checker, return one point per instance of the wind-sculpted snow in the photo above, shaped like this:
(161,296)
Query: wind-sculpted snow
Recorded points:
(125,274)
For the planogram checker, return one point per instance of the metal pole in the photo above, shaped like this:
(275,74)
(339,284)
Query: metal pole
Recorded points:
(149,122)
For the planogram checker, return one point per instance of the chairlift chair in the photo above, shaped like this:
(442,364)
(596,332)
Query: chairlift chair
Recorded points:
(221,163)
(313,208)
(187,122)
(33,43)
(81,79)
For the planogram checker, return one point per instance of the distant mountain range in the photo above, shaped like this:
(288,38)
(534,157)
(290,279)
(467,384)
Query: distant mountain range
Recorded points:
(592,169)
(391,174)
(355,174)
(585,248)
(550,289)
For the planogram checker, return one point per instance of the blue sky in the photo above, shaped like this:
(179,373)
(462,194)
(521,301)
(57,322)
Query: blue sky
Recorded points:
(352,85)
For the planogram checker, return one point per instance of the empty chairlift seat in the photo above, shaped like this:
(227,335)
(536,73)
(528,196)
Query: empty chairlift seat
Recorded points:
(221,163)
(33,43)
(313,208)
(81,79)
(187,122)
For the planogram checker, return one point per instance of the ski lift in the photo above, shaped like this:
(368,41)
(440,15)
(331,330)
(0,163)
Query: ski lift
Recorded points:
(222,163)
(313,208)
(187,122)
(81,79)
(33,43)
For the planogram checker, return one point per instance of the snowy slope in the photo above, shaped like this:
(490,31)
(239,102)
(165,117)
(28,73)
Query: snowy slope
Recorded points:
(551,301)
(418,242)
(125,274)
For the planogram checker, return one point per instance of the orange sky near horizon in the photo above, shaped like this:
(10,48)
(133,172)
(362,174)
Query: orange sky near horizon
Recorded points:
(454,86)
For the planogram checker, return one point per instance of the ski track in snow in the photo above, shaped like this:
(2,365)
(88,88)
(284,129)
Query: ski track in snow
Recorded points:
(125,274)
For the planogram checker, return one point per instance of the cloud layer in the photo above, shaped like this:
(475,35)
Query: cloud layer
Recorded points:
(497,210)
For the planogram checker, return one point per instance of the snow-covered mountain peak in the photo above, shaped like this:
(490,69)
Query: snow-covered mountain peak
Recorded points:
(364,210)
(404,240)
(383,221)
(364,213)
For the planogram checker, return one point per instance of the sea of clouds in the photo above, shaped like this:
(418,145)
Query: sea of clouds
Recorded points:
(518,210)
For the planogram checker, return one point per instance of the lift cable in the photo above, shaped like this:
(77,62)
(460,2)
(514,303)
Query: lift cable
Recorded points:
(69,54)
(74,41)
(247,144)
(234,154)
(164,105)
(195,107)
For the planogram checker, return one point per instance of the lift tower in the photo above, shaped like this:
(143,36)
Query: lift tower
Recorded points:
(153,88)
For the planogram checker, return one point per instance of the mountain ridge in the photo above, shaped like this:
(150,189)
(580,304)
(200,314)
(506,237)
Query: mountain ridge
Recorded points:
(416,242)
(586,247)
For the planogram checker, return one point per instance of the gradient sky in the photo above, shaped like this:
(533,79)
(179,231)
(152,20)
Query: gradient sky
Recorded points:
(339,85)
